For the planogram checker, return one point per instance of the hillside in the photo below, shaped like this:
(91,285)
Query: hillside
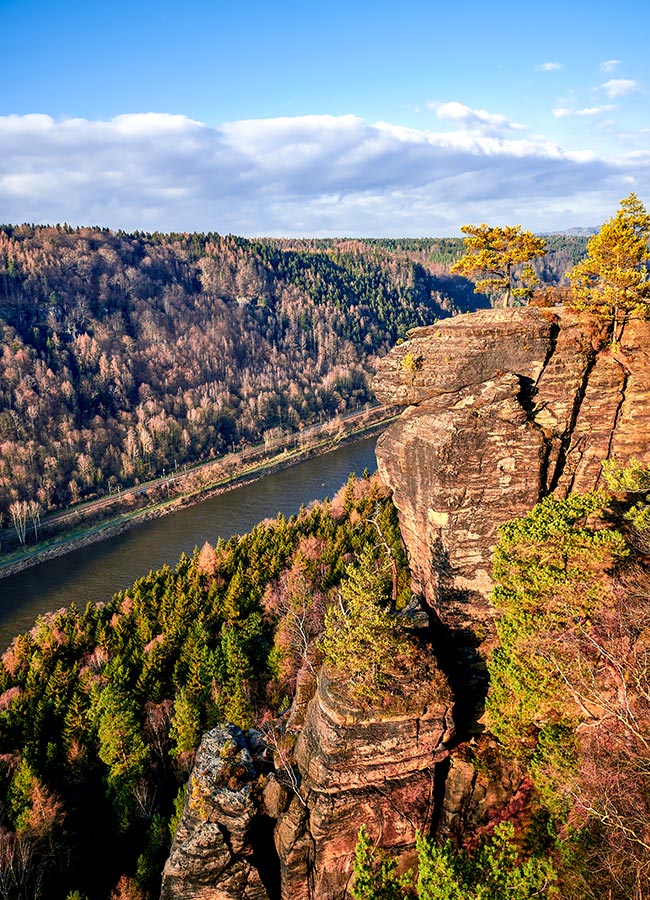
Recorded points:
(103,712)
(128,354)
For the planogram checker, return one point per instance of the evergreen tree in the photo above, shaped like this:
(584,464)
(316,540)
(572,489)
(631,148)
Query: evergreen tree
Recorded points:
(613,280)
(493,872)
(496,258)
(375,873)
(362,637)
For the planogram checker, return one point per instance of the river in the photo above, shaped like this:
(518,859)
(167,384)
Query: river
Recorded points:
(96,572)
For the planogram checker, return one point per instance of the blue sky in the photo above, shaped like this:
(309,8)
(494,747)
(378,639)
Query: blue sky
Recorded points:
(358,118)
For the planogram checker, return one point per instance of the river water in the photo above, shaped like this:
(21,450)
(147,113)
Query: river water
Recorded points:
(96,572)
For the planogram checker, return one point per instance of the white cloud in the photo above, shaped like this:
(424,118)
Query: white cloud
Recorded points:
(561,112)
(620,87)
(315,175)
(608,65)
(549,67)
(474,120)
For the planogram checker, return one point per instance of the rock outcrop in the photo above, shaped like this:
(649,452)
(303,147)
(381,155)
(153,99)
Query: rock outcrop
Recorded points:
(362,766)
(215,854)
(351,766)
(504,406)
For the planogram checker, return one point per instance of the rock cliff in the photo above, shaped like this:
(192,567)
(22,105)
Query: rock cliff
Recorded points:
(503,407)
(362,766)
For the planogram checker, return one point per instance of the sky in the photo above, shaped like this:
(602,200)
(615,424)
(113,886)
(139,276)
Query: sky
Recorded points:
(357,118)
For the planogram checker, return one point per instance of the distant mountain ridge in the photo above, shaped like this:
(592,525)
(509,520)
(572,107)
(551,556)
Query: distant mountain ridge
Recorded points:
(577,231)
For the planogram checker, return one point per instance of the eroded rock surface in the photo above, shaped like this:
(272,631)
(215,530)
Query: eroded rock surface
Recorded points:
(213,856)
(375,767)
(505,406)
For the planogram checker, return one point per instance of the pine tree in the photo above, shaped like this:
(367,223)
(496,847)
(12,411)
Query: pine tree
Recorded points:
(613,280)
(361,637)
(375,873)
(495,260)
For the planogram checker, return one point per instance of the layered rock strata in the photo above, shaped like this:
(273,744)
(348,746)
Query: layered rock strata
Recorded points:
(504,406)
(351,766)
(362,766)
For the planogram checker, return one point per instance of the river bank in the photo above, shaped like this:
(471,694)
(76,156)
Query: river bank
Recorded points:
(194,486)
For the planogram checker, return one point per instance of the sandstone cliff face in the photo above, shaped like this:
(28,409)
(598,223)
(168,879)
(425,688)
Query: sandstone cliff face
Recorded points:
(375,767)
(503,407)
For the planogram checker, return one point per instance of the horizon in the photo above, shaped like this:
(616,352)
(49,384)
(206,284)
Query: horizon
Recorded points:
(580,231)
(322,122)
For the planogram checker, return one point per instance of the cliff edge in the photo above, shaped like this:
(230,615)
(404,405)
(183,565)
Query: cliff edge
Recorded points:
(504,407)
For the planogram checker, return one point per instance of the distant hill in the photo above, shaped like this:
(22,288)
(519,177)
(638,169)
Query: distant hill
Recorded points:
(125,354)
(578,231)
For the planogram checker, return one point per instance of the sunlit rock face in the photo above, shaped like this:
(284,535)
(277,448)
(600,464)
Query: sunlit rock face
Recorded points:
(362,766)
(503,407)
(373,765)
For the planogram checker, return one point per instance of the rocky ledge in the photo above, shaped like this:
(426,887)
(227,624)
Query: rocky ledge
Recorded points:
(504,406)
(362,766)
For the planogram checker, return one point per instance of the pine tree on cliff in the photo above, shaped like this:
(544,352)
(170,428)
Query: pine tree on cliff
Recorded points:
(613,280)
(361,636)
(496,258)
(375,873)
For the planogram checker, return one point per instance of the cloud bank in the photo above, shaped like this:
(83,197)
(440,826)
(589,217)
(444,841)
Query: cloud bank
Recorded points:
(620,87)
(475,121)
(309,175)
(561,112)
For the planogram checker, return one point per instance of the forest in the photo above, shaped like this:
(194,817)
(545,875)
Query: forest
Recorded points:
(102,708)
(127,354)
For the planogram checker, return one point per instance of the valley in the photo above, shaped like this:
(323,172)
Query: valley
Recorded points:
(277,697)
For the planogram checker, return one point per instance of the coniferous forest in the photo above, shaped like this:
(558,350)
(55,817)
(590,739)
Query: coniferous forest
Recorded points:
(102,708)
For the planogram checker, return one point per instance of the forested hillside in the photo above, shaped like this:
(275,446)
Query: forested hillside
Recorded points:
(101,709)
(124,354)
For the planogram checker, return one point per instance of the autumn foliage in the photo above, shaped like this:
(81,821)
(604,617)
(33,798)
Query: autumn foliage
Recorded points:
(102,709)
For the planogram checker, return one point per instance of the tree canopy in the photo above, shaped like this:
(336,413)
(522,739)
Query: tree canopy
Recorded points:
(496,260)
(101,709)
(569,681)
(361,636)
(493,871)
(613,280)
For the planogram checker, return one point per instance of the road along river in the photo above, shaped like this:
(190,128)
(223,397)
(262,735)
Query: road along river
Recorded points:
(95,572)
